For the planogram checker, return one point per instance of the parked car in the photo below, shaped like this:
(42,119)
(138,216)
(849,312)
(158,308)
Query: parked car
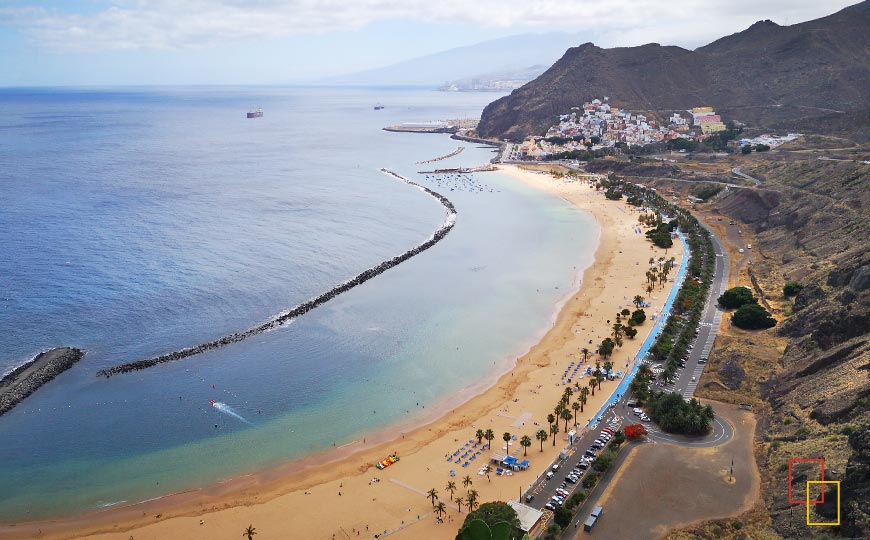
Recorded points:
(530,498)
(550,506)
(549,475)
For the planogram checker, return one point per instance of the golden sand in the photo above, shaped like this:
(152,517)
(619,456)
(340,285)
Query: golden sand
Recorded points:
(334,496)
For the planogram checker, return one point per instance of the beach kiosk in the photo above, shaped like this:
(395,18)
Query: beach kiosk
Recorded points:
(530,518)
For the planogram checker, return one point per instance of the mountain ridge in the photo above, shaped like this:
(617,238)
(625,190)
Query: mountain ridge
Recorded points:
(763,75)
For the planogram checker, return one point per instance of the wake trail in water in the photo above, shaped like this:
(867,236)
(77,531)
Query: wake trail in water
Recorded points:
(226,409)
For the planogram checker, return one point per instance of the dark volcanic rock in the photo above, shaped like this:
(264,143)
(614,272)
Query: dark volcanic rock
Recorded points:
(860,279)
(25,380)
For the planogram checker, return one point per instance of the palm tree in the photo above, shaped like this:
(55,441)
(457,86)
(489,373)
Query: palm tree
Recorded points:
(479,435)
(649,289)
(250,532)
(506,437)
(525,442)
(541,435)
(608,365)
(554,429)
(576,407)
(432,494)
(598,378)
(583,393)
(487,471)
(638,301)
(489,436)
(566,415)
(568,393)
(585,352)
(451,487)
(466,481)
(592,384)
(440,509)
(459,502)
(550,418)
(471,500)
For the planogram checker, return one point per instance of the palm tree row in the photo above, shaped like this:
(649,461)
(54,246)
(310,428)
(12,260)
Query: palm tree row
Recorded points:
(471,499)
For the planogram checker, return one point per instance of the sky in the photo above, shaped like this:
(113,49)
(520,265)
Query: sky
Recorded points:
(178,42)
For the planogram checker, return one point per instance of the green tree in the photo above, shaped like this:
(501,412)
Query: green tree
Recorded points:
(746,149)
(471,500)
(451,487)
(606,347)
(440,509)
(562,516)
(736,297)
(466,481)
(576,408)
(566,415)
(792,288)
(584,393)
(489,436)
(250,532)
(459,502)
(630,332)
(762,148)
(487,471)
(752,317)
(493,514)
(592,384)
(541,435)
(525,442)
(585,352)
(479,435)
(638,301)
(554,430)
(506,437)
(433,495)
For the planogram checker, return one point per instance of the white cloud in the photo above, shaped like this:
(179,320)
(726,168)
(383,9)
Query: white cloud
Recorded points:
(184,24)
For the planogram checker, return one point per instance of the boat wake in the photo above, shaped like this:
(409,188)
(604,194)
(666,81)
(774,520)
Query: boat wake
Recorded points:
(226,409)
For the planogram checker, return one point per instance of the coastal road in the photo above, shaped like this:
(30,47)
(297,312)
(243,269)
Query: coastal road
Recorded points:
(688,377)
(741,174)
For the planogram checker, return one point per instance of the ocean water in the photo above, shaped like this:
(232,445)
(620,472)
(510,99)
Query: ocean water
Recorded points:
(138,221)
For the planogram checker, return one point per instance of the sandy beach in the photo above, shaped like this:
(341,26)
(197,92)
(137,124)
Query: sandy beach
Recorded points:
(342,495)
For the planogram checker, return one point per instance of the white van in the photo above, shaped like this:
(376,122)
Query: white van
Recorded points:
(748,246)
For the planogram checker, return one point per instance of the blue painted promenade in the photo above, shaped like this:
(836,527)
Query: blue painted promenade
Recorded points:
(665,312)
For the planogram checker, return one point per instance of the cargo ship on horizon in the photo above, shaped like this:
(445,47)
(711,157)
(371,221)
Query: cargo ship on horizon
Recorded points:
(255,114)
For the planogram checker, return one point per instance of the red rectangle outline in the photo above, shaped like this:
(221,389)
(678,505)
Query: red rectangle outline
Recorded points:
(791,461)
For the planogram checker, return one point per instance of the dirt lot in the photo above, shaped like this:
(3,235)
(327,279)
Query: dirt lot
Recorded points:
(661,486)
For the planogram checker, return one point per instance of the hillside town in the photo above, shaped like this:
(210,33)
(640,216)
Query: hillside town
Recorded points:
(599,125)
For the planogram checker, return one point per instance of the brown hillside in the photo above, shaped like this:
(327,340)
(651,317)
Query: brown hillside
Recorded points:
(767,74)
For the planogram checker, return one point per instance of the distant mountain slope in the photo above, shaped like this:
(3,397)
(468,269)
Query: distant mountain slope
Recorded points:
(507,54)
(766,74)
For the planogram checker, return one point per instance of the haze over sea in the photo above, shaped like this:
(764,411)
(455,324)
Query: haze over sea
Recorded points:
(138,221)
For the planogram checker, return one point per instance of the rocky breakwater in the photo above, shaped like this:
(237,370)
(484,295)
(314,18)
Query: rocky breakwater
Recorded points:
(24,380)
(301,309)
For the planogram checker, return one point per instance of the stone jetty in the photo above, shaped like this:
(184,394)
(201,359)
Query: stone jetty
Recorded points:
(24,380)
(302,309)
(445,156)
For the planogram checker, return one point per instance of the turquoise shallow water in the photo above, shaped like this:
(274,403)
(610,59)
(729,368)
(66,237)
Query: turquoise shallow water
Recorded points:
(139,221)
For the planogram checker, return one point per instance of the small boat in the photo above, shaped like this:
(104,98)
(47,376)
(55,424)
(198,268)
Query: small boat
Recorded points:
(383,464)
(255,114)
(378,107)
